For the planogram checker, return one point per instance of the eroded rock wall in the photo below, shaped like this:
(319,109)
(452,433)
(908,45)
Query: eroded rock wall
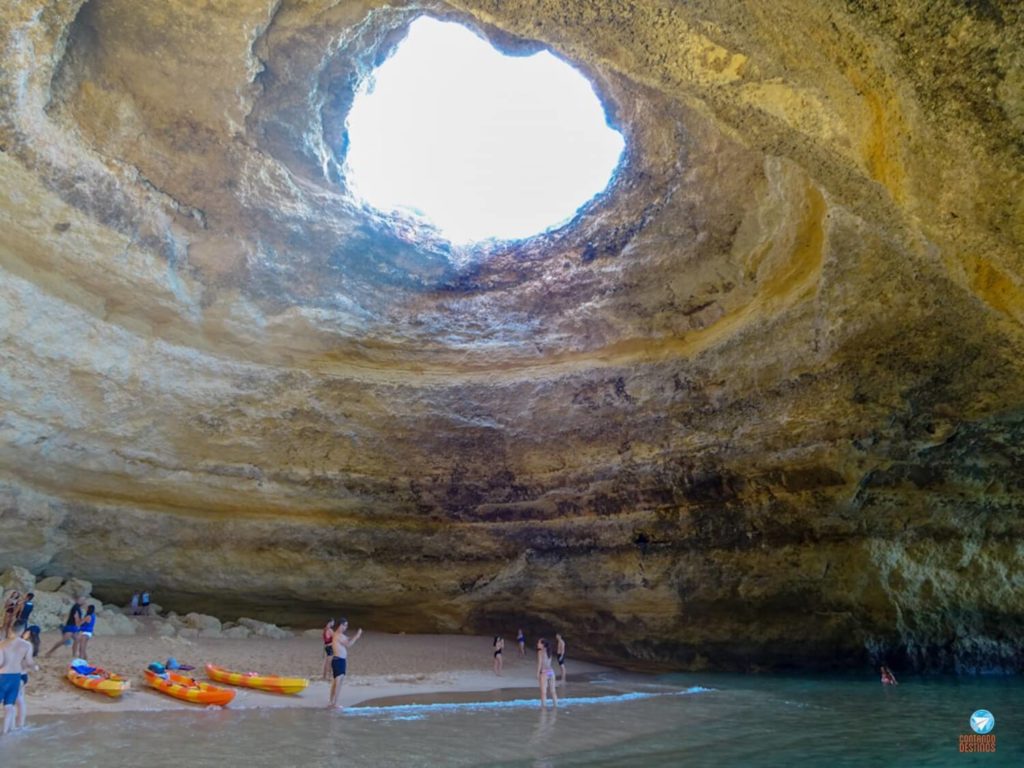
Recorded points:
(759,405)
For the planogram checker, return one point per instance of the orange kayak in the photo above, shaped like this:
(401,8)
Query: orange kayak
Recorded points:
(100,681)
(272,683)
(187,689)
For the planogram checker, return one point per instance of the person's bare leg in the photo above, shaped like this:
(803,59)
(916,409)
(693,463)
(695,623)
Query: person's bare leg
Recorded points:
(554,692)
(9,713)
(58,645)
(336,686)
(20,710)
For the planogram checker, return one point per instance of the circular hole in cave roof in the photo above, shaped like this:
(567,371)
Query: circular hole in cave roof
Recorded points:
(477,144)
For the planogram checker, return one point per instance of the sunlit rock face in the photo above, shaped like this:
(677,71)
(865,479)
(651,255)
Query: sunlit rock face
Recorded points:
(760,405)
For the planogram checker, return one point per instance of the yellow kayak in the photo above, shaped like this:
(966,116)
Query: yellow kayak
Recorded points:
(272,683)
(185,688)
(99,680)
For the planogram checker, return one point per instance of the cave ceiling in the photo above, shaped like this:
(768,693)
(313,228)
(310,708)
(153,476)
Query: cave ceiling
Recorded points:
(759,402)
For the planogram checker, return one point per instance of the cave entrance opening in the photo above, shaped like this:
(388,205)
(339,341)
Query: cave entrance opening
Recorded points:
(479,145)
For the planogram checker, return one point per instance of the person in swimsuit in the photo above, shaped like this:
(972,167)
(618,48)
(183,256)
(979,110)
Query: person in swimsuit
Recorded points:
(328,635)
(340,643)
(499,646)
(521,639)
(31,634)
(560,654)
(15,660)
(11,606)
(888,678)
(69,631)
(545,674)
(144,603)
(135,604)
(85,630)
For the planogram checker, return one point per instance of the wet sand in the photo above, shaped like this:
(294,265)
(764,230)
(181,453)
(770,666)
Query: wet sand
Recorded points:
(381,666)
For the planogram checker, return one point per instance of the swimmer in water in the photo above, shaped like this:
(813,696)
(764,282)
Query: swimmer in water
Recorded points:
(888,678)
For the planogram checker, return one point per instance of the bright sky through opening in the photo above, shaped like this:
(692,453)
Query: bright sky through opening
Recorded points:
(480,144)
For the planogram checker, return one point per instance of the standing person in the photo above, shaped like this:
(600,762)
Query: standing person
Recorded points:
(560,654)
(499,646)
(26,609)
(144,603)
(85,630)
(69,632)
(340,643)
(328,635)
(135,603)
(521,639)
(11,606)
(15,660)
(31,634)
(545,674)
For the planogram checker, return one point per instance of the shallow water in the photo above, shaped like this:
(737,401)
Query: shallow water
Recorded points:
(617,720)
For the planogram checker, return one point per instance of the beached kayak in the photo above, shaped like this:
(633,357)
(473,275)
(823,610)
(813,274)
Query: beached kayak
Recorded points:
(272,683)
(187,689)
(99,680)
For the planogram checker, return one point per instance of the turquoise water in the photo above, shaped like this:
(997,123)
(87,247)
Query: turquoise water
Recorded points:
(617,720)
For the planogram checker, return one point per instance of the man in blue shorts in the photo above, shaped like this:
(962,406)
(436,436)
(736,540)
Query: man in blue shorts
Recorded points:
(15,659)
(69,632)
(340,643)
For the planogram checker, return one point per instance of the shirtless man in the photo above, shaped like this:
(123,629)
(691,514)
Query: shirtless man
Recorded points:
(340,643)
(15,660)
(560,654)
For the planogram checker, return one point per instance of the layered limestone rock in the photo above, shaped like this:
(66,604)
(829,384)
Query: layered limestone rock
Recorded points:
(760,404)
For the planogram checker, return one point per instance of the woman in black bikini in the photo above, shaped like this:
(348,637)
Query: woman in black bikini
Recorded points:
(499,646)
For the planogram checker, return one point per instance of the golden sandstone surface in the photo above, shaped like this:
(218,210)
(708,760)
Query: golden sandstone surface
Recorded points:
(760,405)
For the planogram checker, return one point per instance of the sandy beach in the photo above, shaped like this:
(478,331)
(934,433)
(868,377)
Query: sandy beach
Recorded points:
(380,666)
